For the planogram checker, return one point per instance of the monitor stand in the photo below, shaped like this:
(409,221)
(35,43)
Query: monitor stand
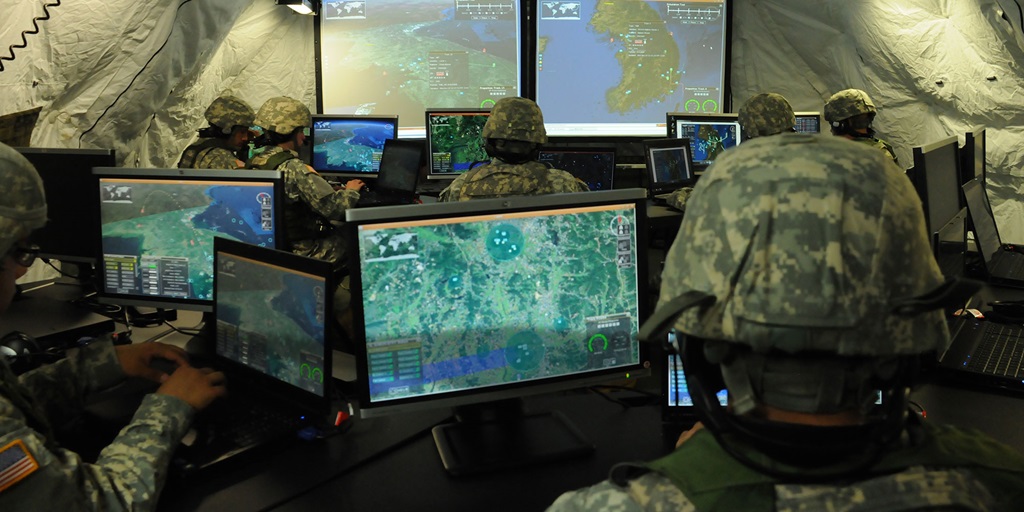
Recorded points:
(499,435)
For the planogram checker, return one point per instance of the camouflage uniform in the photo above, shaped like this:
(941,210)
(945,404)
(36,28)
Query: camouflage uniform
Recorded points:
(852,102)
(310,202)
(678,198)
(225,112)
(515,119)
(805,241)
(766,114)
(130,472)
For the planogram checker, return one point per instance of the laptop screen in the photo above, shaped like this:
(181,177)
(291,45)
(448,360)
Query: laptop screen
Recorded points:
(270,309)
(985,233)
(595,166)
(668,164)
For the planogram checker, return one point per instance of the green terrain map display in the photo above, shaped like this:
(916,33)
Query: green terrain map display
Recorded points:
(498,300)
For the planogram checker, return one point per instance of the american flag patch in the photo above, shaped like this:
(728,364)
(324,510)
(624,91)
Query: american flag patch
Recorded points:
(15,464)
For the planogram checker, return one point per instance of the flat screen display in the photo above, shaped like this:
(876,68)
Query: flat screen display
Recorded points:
(596,167)
(455,142)
(350,144)
(616,68)
(709,135)
(402,57)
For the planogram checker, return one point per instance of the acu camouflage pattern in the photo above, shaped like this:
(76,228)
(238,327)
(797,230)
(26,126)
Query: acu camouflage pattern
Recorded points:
(848,103)
(208,154)
(515,118)
(807,242)
(878,144)
(502,179)
(310,204)
(283,115)
(129,473)
(766,114)
(678,198)
(226,112)
(23,202)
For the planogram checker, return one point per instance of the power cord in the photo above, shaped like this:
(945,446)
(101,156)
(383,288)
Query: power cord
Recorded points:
(35,30)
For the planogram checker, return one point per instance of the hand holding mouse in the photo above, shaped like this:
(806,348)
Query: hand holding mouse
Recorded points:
(137,359)
(355,184)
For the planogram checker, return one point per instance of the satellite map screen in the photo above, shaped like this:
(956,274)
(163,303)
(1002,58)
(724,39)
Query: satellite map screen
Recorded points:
(454,141)
(481,302)
(595,167)
(616,67)
(708,138)
(350,144)
(405,56)
(271,319)
(157,233)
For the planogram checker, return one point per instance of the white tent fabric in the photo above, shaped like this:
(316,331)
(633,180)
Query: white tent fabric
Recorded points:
(137,75)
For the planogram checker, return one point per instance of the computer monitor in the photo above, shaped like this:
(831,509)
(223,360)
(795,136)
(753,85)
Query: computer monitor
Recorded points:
(595,166)
(72,216)
(808,122)
(483,302)
(401,57)
(157,228)
(936,178)
(350,145)
(454,141)
(949,243)
(669,165)
(709,135)
(972,155)
(615,68)
(271,312)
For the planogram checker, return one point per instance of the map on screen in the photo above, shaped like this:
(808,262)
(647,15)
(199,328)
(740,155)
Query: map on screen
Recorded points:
(627,63)
(353,145)
(708,139)
(455,304)
(405,56)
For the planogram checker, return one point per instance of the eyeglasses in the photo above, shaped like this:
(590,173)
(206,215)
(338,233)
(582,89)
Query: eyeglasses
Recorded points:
(25,256)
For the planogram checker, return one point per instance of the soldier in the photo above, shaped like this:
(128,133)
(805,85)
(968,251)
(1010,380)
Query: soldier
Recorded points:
(762,115)
(310,202)
(35,472)
(802,281)
(850,113)
(219,143)
(513,135)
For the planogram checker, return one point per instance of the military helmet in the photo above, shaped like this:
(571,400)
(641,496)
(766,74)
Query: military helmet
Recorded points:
(848,103)
(283,115)
(515,118)
(822,239)
(766,114)
(227,112)
(23,204)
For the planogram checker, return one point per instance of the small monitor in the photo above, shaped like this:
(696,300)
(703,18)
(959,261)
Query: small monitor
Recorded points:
(808,122)
(936,178)
(669,165)
(72,215)
(595,166)
(709,135)
(157,228)
(454,141)
(972,155)
(350,145)
(272,311)
(480,303)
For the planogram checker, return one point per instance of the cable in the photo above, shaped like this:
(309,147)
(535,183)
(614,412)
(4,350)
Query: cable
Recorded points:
(35,30)
(132,82)
(59,271)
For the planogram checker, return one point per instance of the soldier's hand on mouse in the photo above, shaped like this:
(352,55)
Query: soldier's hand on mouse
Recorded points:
(356,185)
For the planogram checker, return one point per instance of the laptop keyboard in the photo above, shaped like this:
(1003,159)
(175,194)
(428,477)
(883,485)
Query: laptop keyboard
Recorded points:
(1000,351)
(243,423)
(1009,265)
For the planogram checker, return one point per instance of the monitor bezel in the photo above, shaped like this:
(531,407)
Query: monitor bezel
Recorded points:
(347,117)
(105,297)
(431,175)
(973,138)
(52,221)
(294,262)
(920,178)
(357,217)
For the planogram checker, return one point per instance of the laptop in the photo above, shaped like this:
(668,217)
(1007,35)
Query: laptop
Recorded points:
(677,410)
(271,318)
(1002,265)
(593,165)
(985,353)
(669,167)
(398,174)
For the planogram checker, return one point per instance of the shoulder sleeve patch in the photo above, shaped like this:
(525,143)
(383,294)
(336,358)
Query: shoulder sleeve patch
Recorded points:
(16,463)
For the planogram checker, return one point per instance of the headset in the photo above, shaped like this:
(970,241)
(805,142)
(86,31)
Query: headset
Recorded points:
(22,352)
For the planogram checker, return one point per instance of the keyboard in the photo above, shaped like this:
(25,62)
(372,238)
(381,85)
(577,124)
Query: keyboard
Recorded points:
(1000,351)
(1008,265)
